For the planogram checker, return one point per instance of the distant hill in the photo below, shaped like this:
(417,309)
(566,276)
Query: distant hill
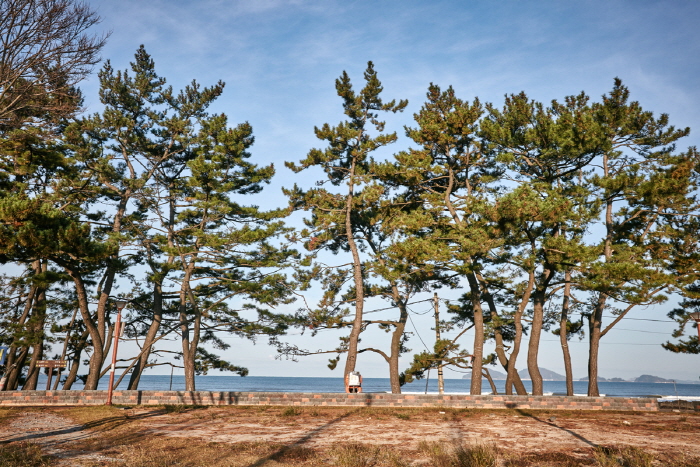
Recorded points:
(547,375)
(651,379)
(600,379)
(495,375)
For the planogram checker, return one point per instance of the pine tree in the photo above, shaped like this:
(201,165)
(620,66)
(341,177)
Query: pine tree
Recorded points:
(336,217)
(544,149)
(642,186)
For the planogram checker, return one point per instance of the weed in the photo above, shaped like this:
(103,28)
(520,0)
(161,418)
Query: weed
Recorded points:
(549,459)
(291,412)
(147,457)
(294,454)
(356,455)
(22,455)
(682,460)
(622,456)
(174,408)
(403,416)
(396,460)
(436,452)
(478,455)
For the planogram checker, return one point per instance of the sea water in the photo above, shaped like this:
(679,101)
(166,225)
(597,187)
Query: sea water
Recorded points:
(335,385)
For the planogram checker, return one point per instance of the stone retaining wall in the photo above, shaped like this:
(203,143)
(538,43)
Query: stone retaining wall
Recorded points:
(39,398)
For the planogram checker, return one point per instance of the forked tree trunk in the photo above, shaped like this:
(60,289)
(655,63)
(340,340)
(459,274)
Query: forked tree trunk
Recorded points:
(153,329)
(503,359)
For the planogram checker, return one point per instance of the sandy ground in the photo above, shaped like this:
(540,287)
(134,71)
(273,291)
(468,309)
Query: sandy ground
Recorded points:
(54,432)
(514,431)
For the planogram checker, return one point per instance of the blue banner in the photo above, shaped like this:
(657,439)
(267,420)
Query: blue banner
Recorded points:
(3,354)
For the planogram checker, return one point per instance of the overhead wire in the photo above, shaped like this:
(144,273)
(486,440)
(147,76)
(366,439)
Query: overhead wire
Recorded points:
(417,333)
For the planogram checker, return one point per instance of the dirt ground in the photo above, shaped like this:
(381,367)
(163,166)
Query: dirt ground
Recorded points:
(65,433)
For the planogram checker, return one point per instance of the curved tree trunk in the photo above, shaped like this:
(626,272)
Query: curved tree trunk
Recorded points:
(534,344)
(96,337)
(503,359)
(512,371)
(149,340)
(354,337)
(75,360)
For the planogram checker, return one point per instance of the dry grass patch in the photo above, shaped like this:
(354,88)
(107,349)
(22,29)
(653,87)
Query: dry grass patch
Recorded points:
(622,456)
(23,455)
(547,459)
(477,455)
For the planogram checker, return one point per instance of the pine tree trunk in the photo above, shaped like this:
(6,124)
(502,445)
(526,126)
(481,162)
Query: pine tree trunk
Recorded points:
(354,337)
(15,363)
(595,323)
(478,350)
(190,337)
(564,338)
(149,340)
(97,358)
(36,324)
(501,352)
(596,318)
(512,371)
(33,372)
(394,374)
(534,344)
(75,361)
(487,373)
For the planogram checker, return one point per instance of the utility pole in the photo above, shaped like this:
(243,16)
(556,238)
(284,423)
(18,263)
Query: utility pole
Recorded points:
(441,382)
(121,303)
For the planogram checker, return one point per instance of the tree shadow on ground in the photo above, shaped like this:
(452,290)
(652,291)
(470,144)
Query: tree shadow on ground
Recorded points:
(111,422)
(290,448)
(554,425)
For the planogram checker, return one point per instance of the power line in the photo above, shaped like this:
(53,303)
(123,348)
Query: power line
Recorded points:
(606,316)
(417,333)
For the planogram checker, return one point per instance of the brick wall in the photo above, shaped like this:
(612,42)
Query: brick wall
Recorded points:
(38,398)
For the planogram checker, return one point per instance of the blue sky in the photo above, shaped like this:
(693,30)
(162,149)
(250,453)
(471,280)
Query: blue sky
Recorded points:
(279,59)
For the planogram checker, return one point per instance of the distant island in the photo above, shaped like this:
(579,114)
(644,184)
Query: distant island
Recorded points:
(549,375)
